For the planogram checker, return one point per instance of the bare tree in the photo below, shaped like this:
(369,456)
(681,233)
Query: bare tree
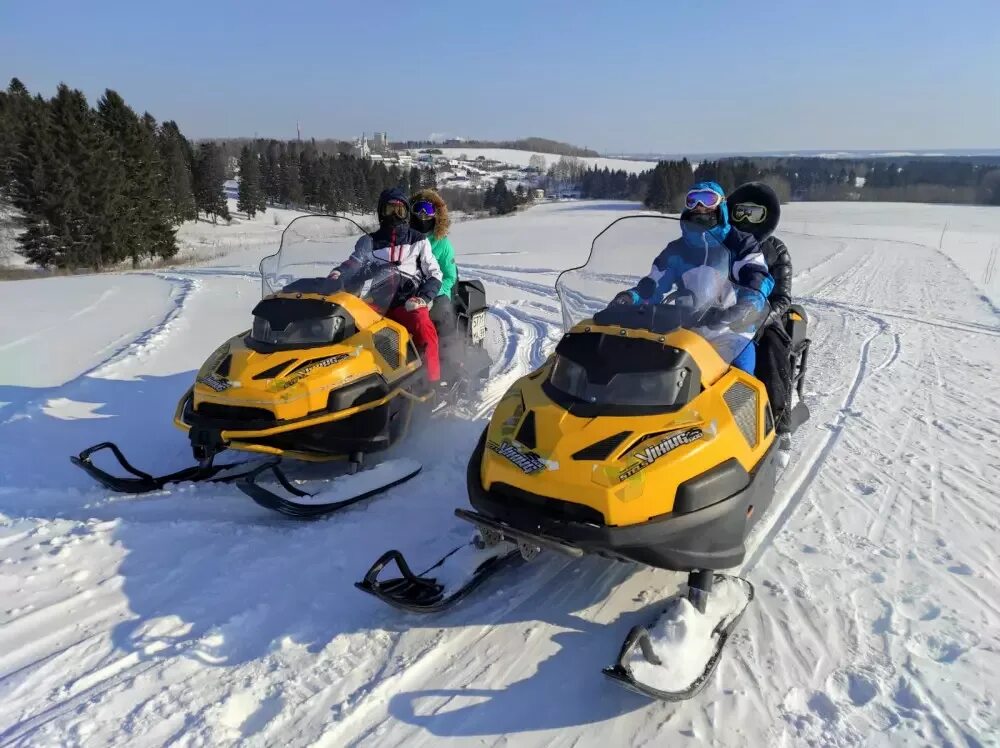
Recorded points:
(537,161)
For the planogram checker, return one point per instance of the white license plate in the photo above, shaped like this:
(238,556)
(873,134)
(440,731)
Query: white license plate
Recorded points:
(477,327)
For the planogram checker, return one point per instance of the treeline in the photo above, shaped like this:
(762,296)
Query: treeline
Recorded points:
(96,186)
(498,199)
(232,147)
(926,179)
(302,175)
(539,145)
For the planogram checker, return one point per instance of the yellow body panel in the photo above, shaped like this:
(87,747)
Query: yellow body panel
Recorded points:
(625,489)
(302,386)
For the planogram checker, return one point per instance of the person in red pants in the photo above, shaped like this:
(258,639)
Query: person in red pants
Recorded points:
(395,243)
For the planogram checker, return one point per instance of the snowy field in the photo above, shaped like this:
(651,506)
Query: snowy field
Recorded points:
(520,158)
(193,617)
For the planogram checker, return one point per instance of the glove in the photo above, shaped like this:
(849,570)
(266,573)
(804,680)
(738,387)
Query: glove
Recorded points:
(334,274)
(626,298)
(414,303)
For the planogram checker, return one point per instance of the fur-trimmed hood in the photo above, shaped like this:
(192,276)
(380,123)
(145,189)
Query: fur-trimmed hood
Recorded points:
(441,220)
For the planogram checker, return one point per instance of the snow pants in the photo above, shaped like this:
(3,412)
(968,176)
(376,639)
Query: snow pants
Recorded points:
(774,370)
(418,323)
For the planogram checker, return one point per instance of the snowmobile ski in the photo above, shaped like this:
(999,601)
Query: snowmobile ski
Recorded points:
(344,491)
(647,672)
(143,482)
(421,593)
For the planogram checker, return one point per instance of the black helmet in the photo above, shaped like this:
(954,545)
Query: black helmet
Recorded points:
(393,207)
(754,207)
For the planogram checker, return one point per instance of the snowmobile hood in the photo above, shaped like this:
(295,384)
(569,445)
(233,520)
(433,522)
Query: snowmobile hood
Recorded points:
(620,466)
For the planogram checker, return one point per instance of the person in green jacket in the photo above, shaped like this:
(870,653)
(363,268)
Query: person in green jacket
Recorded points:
(429,215)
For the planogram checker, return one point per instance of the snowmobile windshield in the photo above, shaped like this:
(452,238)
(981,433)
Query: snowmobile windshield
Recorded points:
(313,246)
(692,285)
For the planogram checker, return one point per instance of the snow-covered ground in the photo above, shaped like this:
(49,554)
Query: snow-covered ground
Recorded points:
(521,158)
(193,617)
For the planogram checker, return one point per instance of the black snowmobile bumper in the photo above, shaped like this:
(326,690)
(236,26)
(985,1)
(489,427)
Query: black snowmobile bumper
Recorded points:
(708,538)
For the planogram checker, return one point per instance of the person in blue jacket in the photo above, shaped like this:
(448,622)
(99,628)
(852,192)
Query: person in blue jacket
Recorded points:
(710,252)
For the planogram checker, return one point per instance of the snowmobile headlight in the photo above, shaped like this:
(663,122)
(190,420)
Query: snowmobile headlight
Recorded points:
(315,331)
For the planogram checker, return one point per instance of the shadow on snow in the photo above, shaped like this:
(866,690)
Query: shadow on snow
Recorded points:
(236,580)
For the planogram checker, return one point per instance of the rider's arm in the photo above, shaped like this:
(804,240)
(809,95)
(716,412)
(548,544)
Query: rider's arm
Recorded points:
(444,253)
(360,257)
(749,269)
(780,269)
(661,276)
(430,271)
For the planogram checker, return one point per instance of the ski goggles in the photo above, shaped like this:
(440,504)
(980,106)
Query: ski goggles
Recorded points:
(708,198)
(424,208)
(394,208)
(749,212)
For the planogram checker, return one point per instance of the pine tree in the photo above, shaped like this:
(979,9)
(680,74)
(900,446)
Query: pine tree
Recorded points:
(658,194)
(32,171)
(68,182)
(209,181)
(14,105)
(143,216)
(251,200)
(176,162)
(290,181)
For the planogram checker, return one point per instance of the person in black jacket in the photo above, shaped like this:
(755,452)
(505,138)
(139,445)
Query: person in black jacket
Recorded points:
(755,208)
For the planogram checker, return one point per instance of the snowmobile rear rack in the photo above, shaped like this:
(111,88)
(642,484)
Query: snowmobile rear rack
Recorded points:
(143,482)
(639,637)
(420,593)
(305,510)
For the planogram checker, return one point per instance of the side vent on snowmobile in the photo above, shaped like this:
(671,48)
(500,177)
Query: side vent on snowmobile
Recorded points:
(223,368)
(526,434)
(602,450)
(274,370)
(411,353)
(742,401)
(387,344)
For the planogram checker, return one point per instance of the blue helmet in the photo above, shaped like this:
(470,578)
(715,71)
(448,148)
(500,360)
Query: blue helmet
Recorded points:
(695,236)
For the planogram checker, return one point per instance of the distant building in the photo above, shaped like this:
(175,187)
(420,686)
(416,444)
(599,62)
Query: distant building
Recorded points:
(538,194)
(381,143)
(361,148)
(232,189)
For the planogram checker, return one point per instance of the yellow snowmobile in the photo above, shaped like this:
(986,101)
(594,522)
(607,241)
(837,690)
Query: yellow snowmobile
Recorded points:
(636,440)
(322,375)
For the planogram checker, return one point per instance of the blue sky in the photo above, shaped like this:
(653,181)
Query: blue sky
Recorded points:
(667,76)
